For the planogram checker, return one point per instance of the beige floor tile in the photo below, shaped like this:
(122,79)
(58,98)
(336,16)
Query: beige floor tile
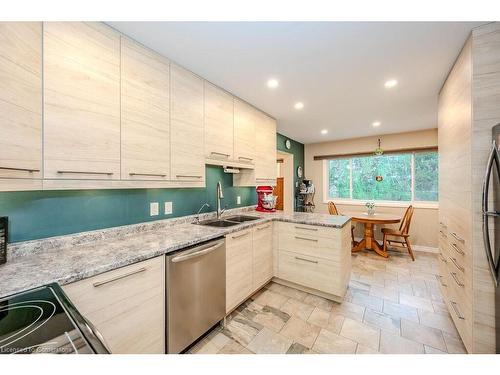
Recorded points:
(438,321)
(320,302)
(300,331)
(297,308)
(242,330)
(324,319)
(234,348)
(431,350)
(270,298)
(454,345)
(394,344)
(291,292)
(349,310)
(383,321)
(423,334)
(416,302)
(359,285)
(297,348)
(372,302)
(205,347)
(400,311)
(217,338)
(361,333)
(271,318)
(361,349)
(331,343)
(390,294)
(269,342)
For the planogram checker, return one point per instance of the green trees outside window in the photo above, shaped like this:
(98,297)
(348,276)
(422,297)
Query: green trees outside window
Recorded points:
(405,177)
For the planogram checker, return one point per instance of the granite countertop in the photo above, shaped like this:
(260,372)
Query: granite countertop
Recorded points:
(67,262)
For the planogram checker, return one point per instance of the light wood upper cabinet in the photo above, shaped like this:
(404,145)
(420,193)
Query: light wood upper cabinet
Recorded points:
(187,130)
(245,117)
(82,101)
(265,146)
(20,100)
(145,116)
(218,123)
(127,305)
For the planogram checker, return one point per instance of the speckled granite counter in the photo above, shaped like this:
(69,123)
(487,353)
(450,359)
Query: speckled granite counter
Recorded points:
(70,258)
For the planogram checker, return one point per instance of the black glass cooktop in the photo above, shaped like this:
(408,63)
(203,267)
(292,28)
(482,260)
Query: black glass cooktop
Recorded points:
(43,320)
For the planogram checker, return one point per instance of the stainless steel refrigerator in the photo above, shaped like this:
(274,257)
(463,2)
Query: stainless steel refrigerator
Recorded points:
(491,220)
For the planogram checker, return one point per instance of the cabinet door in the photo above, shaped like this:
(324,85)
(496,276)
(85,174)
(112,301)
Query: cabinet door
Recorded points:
(82,101)
(20,100)
(262,254)
(218,123)
(126,305)
(145,124)
(245,117)
(265,145)
(187,133)
(239,268)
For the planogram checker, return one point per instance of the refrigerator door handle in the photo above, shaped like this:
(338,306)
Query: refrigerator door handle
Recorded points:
(493,162)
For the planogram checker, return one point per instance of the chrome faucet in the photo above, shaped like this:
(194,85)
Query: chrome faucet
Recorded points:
(220,196)
(201,209)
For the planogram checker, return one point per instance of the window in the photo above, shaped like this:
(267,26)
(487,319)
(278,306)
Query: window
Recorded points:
(406,177)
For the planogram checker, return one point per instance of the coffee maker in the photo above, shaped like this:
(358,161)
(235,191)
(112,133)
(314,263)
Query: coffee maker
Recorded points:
(266,201)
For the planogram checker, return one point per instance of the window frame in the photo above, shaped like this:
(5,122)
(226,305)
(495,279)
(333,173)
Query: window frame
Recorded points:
(380,203)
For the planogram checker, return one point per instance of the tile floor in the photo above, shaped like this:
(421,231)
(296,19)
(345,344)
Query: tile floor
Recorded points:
(392,306)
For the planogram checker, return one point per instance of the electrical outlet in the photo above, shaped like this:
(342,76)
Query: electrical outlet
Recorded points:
(238,200)
(168,208)
(154,209)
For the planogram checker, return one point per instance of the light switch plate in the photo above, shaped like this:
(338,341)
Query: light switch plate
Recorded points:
(154,209)
(168,208)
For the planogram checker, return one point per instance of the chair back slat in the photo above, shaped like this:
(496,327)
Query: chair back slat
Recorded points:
(332,209)
(405,223)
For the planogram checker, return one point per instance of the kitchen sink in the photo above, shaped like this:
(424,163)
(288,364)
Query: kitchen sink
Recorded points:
(218,223)
(241,218)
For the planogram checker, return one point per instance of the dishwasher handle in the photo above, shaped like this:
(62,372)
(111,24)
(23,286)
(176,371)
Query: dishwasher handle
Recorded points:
(197,252)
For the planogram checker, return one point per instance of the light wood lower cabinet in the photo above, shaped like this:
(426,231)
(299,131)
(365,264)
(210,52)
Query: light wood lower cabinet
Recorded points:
(126,305)
(187,129)
(81,101)
(239,268)
(262,254)
(145,113)
(20,105)
(317,258)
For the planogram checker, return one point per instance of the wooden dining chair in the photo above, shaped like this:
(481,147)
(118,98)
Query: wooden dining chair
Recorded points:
(332,209)
(400,237)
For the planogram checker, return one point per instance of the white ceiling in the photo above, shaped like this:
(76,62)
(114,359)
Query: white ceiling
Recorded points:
(337,69)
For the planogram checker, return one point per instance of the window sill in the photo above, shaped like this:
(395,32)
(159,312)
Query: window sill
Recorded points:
(350,202)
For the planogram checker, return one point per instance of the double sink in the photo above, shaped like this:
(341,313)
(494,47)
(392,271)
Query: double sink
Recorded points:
(228,221)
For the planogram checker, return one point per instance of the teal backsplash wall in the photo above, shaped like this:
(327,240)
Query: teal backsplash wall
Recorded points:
(41,214)
(297,149)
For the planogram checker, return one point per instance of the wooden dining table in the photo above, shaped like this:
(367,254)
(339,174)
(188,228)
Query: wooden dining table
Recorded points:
(369,242)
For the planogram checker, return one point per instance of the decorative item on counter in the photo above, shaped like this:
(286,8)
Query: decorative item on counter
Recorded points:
(379,151)
(299,171)
(3,239)
(379,178)
(302,187)
(370,206)
(266,201)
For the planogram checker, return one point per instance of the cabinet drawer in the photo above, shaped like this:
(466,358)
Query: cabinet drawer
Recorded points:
(311,245)
(312,272)
(126,305)
(309,230)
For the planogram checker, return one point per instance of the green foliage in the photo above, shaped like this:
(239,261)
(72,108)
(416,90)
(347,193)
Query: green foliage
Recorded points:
(396,172)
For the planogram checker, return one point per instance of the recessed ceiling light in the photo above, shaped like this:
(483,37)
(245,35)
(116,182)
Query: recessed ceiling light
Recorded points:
(390,83)
(298,105)
(376,123)
(272,83)
(324,131)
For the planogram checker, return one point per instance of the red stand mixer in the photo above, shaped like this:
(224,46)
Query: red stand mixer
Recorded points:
(266,201)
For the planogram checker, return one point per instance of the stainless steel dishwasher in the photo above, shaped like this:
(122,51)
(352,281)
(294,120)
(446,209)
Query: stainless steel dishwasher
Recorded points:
(196,293)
